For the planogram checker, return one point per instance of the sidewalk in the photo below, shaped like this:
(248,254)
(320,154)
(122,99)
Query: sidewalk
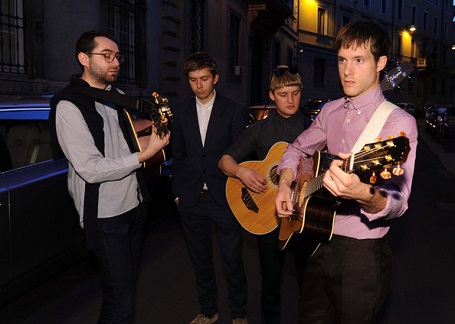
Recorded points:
(444,150)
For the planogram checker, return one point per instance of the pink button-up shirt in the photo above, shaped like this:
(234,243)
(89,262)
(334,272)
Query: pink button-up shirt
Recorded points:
(337,128)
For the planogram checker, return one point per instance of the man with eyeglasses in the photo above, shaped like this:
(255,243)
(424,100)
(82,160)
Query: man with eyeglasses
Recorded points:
(104,177)
(284,125)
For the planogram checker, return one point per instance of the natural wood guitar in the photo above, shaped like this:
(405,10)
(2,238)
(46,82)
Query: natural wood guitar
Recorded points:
(315,208)
(256,212)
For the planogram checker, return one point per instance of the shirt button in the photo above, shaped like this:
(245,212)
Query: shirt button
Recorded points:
(342,141)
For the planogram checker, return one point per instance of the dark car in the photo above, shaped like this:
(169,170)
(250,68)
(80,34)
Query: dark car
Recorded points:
(408,107)
(313,107)
(260,111)
(39,226)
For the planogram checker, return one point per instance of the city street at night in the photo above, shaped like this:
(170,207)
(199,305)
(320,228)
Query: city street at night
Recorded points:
(423,243)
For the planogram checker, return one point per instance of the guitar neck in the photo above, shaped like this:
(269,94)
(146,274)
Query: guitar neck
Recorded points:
(314,185)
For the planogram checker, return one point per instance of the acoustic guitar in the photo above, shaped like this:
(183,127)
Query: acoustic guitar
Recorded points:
(140,127)
(256,212)
(315,208)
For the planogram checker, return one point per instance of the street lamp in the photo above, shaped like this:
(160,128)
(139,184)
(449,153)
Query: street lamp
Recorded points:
(411,28)
(453,47)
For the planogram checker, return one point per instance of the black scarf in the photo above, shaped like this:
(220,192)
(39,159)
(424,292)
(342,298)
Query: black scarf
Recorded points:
(95,124)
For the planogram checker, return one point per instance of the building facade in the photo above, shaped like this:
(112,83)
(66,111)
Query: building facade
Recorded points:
(248,38)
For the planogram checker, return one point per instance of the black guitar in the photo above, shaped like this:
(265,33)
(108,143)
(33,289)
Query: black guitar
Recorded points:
(315,209)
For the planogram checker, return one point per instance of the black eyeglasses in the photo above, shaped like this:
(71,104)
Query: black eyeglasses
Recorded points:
(109,57)
(279,71)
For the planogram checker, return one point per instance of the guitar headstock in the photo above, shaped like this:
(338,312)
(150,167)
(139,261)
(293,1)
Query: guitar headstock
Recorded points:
(395,76)
(381,155)
(161,114)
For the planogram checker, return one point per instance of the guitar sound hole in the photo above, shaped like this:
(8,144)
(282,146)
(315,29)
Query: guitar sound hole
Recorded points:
(274,177)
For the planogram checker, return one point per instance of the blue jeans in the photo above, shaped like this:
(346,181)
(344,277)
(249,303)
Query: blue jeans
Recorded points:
(120,241)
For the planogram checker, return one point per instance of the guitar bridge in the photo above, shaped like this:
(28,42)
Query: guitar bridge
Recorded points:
(248,201)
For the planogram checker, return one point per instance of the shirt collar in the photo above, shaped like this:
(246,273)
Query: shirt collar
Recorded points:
(208,104)
(368,100)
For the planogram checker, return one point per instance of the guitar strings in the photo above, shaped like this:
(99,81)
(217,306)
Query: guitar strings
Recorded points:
(317,183)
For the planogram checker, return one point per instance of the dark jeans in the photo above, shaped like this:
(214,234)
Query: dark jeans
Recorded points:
(346,281)
(272,262)
(120,241)
(196,223)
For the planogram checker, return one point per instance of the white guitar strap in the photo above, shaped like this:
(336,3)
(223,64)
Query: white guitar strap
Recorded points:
(374,126)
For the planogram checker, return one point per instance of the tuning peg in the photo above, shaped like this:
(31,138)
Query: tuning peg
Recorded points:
(378,139)
(398,170)
(390,137)
(385,174)
(402,134)
(373,178)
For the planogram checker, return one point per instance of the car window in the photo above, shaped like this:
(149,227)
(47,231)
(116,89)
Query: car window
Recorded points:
(23,142)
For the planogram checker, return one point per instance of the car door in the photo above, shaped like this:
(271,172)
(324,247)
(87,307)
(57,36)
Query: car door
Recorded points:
(44,224)
(4,233)
(39,226)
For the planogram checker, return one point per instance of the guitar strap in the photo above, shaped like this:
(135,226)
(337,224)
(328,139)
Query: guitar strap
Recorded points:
(374,126)
(113,96)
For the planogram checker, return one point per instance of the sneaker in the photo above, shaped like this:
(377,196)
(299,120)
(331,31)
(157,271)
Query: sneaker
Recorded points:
(202,319)
(240,320)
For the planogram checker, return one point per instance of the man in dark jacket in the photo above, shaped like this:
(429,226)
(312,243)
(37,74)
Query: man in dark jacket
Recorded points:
(204,126)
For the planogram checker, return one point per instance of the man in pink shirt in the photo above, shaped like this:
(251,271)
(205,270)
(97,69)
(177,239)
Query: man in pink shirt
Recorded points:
(348,278)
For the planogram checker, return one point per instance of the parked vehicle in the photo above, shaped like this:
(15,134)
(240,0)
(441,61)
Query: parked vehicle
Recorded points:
(260,111)
(437,121)
(39,226)
(313,107)
(408,107)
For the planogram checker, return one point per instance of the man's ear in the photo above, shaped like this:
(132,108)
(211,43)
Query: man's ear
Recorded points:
(271,95)
(216,78)
(83,58)
(381,63)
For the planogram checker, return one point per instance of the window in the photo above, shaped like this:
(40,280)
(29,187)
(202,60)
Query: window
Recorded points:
(435,27)
(276,53)
(234,35)
(398,43)
(321,21)
(196,26)
(12,37)
(290,57)
(400,10)
(414,15)
(384,4)
(319,72)
(24,138)
(120,24)
(425,20)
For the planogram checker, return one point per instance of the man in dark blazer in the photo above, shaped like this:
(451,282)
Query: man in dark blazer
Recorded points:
(203,127)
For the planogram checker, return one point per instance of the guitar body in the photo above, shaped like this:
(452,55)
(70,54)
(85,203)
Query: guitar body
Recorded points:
(140,131)
(315,214)
(315,208)
(256,212)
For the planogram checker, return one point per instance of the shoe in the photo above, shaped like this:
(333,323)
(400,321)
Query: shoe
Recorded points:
(240,320)
(202,319)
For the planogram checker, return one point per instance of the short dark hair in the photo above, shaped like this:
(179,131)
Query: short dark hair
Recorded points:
(198,61)
(86,42)
(362,32)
